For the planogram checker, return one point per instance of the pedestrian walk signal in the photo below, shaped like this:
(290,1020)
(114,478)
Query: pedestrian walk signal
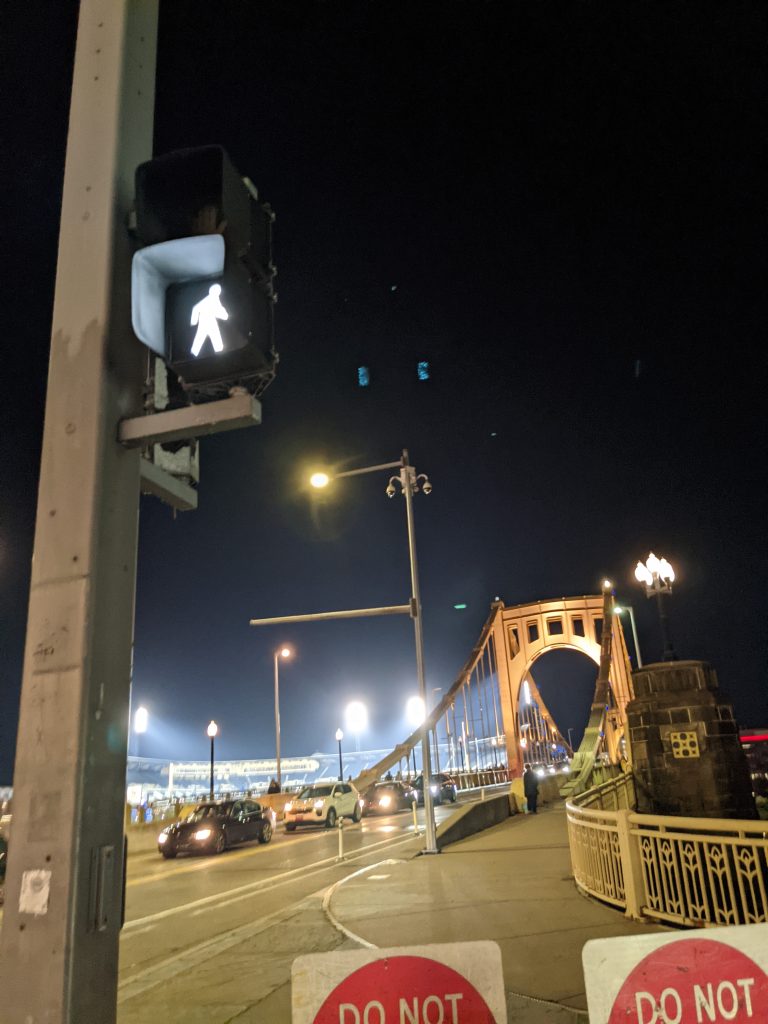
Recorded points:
(202,285)
(205,316)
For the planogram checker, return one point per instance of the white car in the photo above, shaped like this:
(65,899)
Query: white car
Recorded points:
(323,804)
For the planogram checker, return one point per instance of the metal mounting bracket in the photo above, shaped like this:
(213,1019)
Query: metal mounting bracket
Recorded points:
(239,410)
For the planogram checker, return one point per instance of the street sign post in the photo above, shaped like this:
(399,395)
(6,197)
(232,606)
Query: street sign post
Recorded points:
(451,983)
(706,976)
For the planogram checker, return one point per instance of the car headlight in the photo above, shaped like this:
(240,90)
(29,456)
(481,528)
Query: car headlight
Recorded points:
(385,801)
(163,837)
(433,789)
(204,833)
(318,805)
(288,807)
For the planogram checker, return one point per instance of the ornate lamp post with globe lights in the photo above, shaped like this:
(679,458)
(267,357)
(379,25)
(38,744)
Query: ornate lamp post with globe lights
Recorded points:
(658,576)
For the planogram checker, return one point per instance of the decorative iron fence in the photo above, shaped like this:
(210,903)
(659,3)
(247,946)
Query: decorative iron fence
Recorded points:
(685,871)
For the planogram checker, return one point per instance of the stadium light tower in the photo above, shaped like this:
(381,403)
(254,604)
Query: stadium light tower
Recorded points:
(356,718)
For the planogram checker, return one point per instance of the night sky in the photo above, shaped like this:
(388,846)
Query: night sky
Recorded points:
(561,206)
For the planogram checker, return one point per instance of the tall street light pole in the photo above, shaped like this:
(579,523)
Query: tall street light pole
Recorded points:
(212,730)
(618,610)
(437,689)
(658,576)
(339,738)
(410,482)
(281,652)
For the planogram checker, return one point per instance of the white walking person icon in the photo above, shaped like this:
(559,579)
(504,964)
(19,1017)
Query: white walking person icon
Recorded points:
(206,315)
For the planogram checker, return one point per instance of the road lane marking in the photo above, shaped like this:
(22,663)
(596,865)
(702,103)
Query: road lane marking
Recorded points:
(252,888)
(172,966)
(336,885)
(147,928)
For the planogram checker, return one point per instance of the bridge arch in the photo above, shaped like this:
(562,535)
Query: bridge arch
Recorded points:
(524,633)
(511,641)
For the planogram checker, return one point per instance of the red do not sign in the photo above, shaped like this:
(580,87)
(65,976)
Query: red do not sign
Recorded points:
(693,981)
(405,990)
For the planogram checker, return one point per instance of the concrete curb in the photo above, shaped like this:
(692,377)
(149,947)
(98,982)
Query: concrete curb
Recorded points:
(331,890)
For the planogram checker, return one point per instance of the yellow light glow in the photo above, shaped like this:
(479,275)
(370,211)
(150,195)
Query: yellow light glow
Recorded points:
(666,571)
(652,564)
(204,833)
(285,652)
(319,480)
(607,585)
(642,575)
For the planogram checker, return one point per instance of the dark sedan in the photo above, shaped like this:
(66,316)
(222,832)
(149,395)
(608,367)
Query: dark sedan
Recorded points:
(388,797)
(214,827)
(443,788)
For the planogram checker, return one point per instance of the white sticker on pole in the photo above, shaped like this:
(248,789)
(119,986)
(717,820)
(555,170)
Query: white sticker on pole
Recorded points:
(694,977)
(35,892)
(451,983)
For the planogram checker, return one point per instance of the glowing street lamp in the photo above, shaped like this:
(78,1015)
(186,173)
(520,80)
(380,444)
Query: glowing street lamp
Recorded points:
(415,713)
(356,717)
(339,738)
(212,730)
(657,575)
(410,483)
(281,652)
(619,609)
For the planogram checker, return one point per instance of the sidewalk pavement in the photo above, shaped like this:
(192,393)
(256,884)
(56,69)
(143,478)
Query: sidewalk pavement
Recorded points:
(511,883)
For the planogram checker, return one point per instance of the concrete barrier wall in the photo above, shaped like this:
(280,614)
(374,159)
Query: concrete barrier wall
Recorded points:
(468,819)
(471,818)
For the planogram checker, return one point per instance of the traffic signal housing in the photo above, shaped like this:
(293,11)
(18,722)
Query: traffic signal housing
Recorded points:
(203,284)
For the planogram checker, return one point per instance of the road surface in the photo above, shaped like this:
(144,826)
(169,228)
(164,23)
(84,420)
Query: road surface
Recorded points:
(212,939)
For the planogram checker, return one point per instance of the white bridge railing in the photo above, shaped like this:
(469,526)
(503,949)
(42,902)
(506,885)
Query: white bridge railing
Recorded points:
(685,871)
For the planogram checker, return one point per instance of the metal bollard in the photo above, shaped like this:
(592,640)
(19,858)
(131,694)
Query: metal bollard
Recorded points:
(341,839)
(415,818)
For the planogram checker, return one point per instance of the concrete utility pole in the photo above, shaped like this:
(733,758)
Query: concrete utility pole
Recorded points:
(59,943)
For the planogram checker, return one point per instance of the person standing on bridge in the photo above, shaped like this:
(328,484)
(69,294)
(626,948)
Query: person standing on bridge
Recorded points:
(531,788)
